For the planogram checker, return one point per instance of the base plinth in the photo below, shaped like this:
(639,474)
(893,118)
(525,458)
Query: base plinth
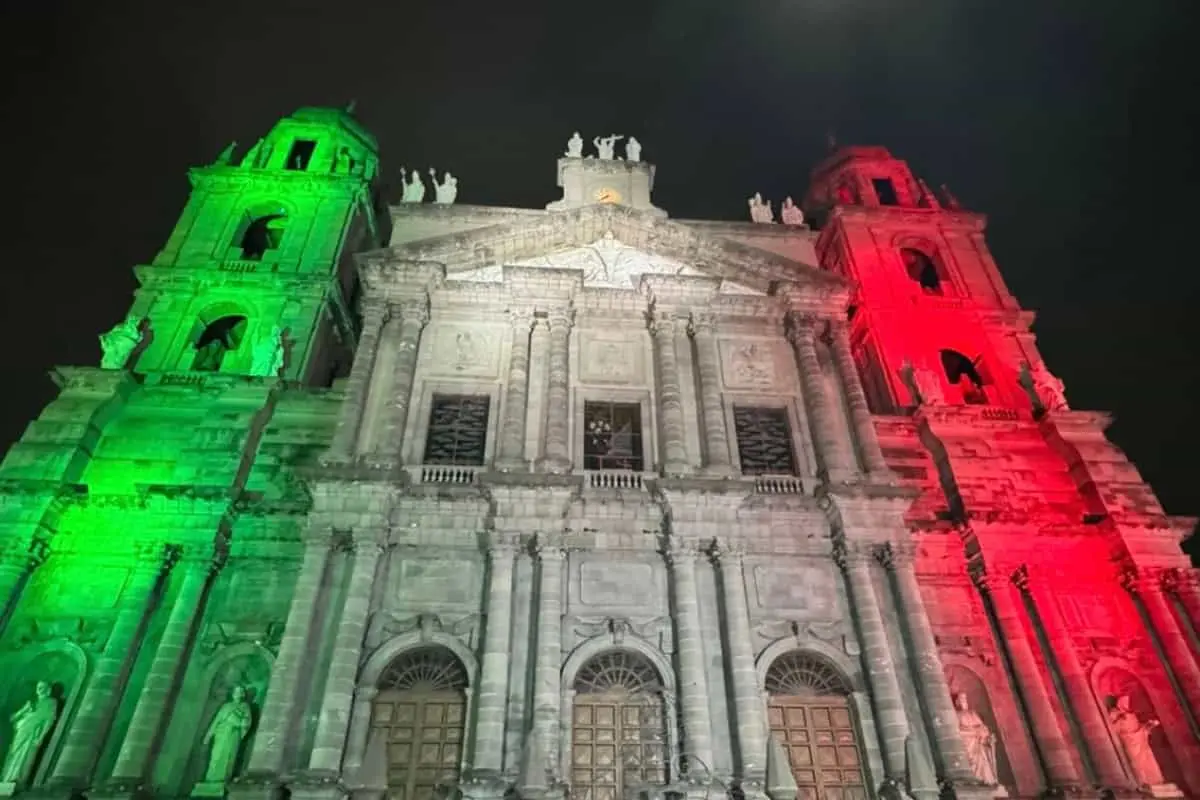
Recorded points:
(213,789)
(1164,790)
(8,789)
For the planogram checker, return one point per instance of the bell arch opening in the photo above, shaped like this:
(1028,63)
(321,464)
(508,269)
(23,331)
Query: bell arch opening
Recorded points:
(218,338)
(924,270)
(967,375)
(810,712)
(618,727)
(420,717)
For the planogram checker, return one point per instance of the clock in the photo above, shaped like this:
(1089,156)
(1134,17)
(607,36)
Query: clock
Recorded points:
(607,195)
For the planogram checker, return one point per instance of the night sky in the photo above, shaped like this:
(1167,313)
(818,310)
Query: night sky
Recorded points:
(1063,121)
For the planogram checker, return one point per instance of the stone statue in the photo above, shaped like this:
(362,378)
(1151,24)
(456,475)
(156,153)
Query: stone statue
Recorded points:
(119,343)
(605,145)
(1045,391)
(951,201)
(414,190)
(928,198)
(1135,740)
(267,358)
(446,191)
(226,157)
(790,213)
(633,150)
(342,161)
(760,210)
(257,155)
(225,735)
(979,741)
(923,385)
(31,726)
(574,146)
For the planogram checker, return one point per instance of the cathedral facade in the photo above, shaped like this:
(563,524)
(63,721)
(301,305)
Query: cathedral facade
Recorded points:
(581,502)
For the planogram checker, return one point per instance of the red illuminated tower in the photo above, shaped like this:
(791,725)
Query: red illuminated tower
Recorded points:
(1054,580)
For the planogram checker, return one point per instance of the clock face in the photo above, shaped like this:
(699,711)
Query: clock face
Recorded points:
(607,195)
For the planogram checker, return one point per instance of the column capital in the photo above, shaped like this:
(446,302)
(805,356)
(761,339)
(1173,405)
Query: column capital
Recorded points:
(549,550)
(678,550)
(727,550)
(1020,578)
(521,319)
(560,319)
(413,310)
(375,308)
(893,555)
(703,323)
(666,324)
(503,546)
(988,582)
(365,693)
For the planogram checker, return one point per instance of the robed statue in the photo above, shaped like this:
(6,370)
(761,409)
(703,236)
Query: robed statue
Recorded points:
(31,726)
(414,189)
(978,740)
(267,358)
(226,735)
(1134,735)
(118,344)
(574,146)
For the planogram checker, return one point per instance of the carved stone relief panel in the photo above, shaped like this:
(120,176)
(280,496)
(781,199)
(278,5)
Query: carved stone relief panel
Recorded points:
(953,608)
(1095,612)
(604,583)
(78,587)
(466,350)
(805,592)
(750,364)
(419,583)
(610,359)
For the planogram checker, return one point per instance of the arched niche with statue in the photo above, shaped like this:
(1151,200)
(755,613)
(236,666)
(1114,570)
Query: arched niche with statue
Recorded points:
(967,688)
(63,667)
(1145,751)
(209,686)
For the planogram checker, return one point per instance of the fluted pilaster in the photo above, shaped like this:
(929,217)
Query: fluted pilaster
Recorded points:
(1043,719)
(749,712)
(1185,586)
(345,436)
(493,681)
(664,328)
(516,394)
(557,448)
(931,676)
(890,720)
(834,455)
(402,334)
(14,566)
(693,682)
(708,363)
(856,399)
(1092,725)
(547,696)
(1148,588)
(332,725)
(360,727)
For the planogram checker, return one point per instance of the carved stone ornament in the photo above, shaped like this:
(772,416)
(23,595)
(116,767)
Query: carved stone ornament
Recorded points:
(414,187)
(267,358)
(790,213)
(760,210)
(31,726)
(605,146)
(656,631)
(384,626)
(220,635)
(224,739)
(118,344)
(574,146)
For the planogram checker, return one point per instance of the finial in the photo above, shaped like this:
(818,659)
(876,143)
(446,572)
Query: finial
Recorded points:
(351,106)
(831,139)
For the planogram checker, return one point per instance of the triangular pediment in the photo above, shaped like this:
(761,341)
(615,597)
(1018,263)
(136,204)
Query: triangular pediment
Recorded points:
(613,245)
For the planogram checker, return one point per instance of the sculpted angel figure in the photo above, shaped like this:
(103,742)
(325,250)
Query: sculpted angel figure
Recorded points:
(118,344)
(414,189)
(605,145)
(445,192)
(760,210)
(31,726)
(790,213)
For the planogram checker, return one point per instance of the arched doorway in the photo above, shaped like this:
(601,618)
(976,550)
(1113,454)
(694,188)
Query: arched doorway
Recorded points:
(809,711)
(420,712)
(618,730)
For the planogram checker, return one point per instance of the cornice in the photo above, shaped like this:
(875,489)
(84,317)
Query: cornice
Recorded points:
(238,178)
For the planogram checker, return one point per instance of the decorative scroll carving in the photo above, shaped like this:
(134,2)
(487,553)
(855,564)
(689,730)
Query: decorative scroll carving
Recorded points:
(384,626)
(656,631)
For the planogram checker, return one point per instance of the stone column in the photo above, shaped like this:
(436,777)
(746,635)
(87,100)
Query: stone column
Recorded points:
(329,742)
(833,453)
(670,401)
(404,338)
(493,680)
(693,682)
(516,394)
(345,436)
(557,450)
(547,693)
(1043,720)
(14,567)
(1185,585)
(274,722)
(1148,588)
(749,708)
(107,684)
(166,669)
(890,720)
(360,727)
(856,399)
(1092,724)
(535,415)
(931,676)
(708,364)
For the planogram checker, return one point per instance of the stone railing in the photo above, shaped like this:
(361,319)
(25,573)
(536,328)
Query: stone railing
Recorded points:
(613,479)
(778,484)
(240,265)
(454,476)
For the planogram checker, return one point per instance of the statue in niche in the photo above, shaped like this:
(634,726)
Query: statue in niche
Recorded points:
(1135,741)
(414,190)
(790,213)
(226,157)
(225,736)
(574,146)
(605,146)
(119,343)
(267,358)
(760,210)
(979,741)
(342,162)
(31,726)
(633,150)
(445,192)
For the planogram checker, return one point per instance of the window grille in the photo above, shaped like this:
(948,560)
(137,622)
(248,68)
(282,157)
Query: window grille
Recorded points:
(764,439)
(457,430)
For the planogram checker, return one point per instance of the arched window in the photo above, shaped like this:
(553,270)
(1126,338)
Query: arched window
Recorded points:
(965,375)
(922,269)
(262,233)
(221,336)
(420,716)
(618,730)
(809,712)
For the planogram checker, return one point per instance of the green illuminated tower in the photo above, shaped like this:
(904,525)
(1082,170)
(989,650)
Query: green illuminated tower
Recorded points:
(159,485)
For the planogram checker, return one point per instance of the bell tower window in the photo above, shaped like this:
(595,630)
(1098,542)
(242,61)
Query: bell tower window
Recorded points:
(262,234)
(885,190)
(300,154)
(923,270)
(218,338)
(965,376)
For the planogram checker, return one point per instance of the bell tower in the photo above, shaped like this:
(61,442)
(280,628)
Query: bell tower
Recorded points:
(264,247)
(932,313)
